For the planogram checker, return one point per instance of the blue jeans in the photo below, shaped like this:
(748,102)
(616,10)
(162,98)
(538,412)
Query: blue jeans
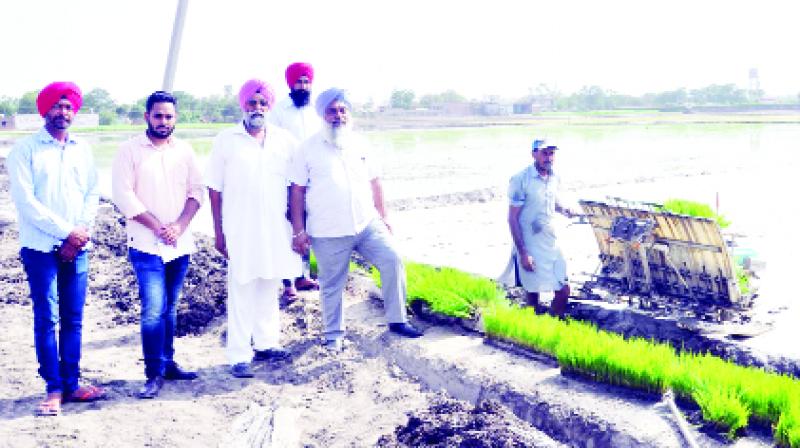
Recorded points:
(159,289)
(58,292)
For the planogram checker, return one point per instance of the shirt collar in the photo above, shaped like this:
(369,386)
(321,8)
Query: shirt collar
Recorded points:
(144,140)
(44,137)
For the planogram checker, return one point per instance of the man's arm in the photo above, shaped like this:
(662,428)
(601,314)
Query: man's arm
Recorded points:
(297,207)
(525,259)
(377,199)
(172,231)
(21,181)
(564,210)
(215,199)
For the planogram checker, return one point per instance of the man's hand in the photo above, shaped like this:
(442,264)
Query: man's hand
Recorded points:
(301,242)
(171,232)
(67,252)
(527,262)
(219,244)
(78,237)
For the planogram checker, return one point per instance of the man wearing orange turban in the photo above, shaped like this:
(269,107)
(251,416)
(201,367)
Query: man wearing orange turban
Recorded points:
(56,91)
(296,115)
(56,213)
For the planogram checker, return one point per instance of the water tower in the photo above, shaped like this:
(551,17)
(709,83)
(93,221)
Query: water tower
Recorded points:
(754,86)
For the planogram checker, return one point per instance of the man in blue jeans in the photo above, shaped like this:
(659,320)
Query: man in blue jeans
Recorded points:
(54,187)
(157,185)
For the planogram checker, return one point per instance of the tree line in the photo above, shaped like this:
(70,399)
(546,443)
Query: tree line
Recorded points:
(597,98)
(225,107)
(210,109)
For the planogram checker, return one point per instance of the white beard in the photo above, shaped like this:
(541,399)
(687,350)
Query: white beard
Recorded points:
(254,120)
(337,135)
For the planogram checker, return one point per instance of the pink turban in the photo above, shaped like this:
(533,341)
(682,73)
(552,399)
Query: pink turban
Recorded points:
(252,87)
(53,93)
(298,69)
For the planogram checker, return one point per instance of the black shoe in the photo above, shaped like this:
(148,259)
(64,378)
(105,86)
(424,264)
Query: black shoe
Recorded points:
(404,329)
(272,354)
(242,370)
(151,387)
(172,371)
(333,345)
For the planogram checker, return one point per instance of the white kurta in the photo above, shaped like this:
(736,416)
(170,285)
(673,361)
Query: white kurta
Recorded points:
(302,122)
(252,180)
(538,197)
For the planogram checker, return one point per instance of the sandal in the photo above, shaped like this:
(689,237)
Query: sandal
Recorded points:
(289,295)
(50,406)
(306,284)
(85,394)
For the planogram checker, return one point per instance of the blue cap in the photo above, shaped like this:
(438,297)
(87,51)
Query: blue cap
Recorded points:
(539,144)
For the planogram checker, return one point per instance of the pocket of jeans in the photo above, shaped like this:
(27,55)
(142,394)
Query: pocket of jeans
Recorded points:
(81,263)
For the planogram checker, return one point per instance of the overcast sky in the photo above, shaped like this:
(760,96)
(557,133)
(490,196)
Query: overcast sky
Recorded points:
(478,48)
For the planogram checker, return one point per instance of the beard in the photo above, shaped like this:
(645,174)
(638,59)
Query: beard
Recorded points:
(254,120)
(300,97)
(161,133)
(59,122)
(337,133)
(544,168)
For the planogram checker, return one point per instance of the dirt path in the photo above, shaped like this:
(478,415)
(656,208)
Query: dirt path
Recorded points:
(319,399)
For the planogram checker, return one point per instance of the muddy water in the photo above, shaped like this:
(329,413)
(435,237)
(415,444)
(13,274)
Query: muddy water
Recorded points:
(741,168)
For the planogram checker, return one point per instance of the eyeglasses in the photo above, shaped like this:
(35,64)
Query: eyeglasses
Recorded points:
(336,110)
(254,103)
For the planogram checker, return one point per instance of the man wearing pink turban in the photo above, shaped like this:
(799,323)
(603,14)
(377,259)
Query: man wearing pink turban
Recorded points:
(56,213)
(246,179)
(295,114)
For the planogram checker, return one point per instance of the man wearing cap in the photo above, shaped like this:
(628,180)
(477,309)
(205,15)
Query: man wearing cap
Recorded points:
(156,184)
(54,187)
(296,115)
(246,177)
(533,197)
(334,178)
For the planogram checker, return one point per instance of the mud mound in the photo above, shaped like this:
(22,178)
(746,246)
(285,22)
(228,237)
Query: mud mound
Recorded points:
(112,278)
(450,423)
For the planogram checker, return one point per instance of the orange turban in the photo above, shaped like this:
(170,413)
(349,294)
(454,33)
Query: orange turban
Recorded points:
(53,93)
(298,69)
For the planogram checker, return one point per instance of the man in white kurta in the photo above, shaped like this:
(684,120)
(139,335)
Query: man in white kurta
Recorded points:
(246,177)
(296,114)
(533,202)
(335,178)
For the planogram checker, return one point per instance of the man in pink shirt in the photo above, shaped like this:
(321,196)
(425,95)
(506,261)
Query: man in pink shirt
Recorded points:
(157,185)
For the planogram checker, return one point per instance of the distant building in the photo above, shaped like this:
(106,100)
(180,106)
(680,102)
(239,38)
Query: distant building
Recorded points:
(28,122)
(495,109)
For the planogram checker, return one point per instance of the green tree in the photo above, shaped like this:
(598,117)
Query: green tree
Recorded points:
(402,99)
(8,106)
(27,103)
(726,94)
(437,100)
(98,101)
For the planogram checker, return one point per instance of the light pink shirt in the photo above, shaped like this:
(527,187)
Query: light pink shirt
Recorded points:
(159,180)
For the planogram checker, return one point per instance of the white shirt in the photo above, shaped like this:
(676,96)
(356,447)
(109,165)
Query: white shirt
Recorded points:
(252,180)
(302,122)
(338,184)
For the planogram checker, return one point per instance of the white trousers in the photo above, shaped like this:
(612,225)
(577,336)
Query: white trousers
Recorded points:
(253,315)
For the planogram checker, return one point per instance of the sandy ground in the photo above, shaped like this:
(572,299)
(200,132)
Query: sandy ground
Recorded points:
(318,399)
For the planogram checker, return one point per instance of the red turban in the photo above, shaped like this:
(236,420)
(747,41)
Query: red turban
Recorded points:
(298,69)
(252,87)
(53,93)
